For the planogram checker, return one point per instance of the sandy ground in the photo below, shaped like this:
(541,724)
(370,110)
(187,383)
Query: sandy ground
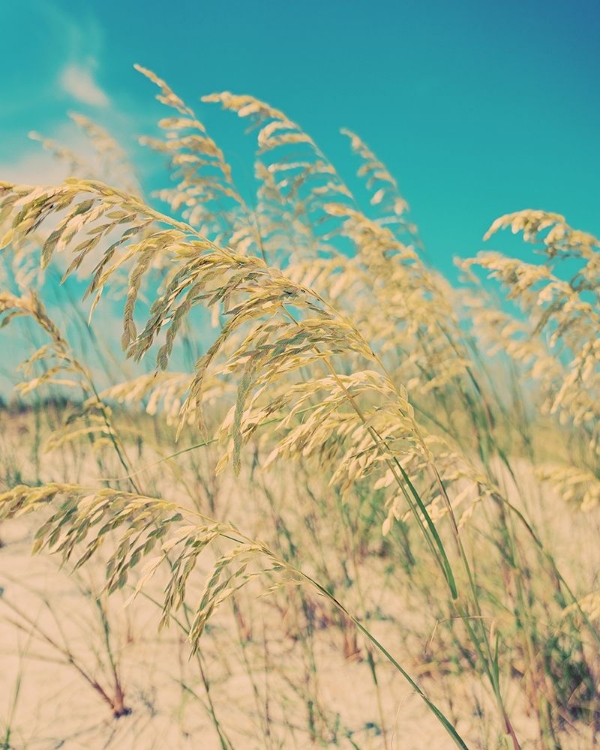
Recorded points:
(56,656)
(52,705)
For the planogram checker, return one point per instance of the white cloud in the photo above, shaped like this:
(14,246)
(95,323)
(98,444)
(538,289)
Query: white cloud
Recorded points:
(34,169)
(33,165)
(80,84)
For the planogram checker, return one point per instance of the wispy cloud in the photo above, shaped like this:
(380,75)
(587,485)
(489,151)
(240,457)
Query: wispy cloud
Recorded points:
(34,168)
(78,81)
(30,164)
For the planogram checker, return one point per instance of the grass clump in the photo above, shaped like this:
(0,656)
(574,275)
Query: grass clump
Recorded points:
(409,520)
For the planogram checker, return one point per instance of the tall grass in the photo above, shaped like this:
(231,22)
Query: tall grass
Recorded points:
(413,429)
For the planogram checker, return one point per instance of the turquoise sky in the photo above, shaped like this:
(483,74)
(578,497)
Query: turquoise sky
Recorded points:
(477,107)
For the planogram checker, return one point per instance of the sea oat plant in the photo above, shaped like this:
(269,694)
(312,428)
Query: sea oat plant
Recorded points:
(326,343)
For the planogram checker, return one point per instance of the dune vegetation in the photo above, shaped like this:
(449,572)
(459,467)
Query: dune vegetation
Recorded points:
(320,496)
